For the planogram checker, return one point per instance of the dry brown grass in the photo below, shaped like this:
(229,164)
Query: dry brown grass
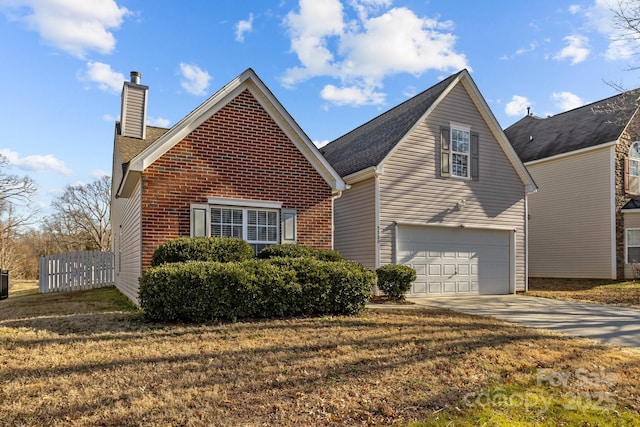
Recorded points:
(600,291)
(86,358)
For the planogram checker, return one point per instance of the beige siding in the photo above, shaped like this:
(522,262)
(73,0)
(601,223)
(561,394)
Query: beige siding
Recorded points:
(570,217)
(133,114)
(127,241)
(411,189)
(354,223)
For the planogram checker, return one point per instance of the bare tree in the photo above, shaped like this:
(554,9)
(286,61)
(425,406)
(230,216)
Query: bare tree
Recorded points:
(13,188)
(82,216)
(14,191)
(626,21)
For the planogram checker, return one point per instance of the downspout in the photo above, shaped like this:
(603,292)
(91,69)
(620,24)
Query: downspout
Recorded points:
(335,195)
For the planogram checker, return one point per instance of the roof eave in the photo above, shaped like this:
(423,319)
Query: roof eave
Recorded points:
(247,80)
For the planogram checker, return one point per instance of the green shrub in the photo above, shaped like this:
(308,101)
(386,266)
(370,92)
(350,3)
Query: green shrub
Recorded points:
(220,249)
(327,255)
(299,251)
(284,251)
(395,280)
(329,287)
(279,287)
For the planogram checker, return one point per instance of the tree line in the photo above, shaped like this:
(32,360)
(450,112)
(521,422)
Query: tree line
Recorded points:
(80,220)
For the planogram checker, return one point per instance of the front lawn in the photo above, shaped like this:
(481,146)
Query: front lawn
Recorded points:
(87,358)
(600,291)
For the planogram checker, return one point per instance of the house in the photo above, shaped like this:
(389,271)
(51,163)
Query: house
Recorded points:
(238,165)
(435,184)
(584,221)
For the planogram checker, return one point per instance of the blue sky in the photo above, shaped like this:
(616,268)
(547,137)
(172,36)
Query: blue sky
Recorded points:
(332,64)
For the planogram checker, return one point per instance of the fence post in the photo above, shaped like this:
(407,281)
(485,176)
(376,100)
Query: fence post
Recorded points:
(4,284)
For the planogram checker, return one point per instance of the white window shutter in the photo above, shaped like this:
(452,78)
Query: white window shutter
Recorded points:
(199,220)
(288,226)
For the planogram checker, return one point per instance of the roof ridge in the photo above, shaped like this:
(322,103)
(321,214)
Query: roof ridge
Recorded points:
(591,104)
(393,109)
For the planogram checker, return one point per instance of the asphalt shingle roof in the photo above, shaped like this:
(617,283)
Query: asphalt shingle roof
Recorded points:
(131,147)
(369,144)
(535,138)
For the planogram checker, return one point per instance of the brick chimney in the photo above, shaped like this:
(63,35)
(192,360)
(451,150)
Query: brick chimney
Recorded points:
(133,113)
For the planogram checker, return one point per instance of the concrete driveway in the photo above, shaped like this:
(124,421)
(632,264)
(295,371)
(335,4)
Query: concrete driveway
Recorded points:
(609,324)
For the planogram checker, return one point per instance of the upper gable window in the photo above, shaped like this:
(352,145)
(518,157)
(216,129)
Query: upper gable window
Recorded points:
(459,149)
(460,152)
(633,169)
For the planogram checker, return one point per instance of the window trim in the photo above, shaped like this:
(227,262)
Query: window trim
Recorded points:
(447,153)
(285,222)
(244,203)
(626,243)
(456,127)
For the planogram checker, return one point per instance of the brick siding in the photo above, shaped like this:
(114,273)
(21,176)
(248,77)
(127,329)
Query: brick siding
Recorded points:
(240,152)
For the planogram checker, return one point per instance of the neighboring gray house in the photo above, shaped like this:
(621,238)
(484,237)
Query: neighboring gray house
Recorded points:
(584,221)
(435,185)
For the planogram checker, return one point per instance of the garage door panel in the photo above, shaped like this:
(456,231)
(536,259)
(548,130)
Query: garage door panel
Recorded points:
(451,261)
(449,287)
(464,287)
(435,287)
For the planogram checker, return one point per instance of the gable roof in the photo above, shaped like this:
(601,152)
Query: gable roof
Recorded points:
(369,145)
(144,153)
(601,122)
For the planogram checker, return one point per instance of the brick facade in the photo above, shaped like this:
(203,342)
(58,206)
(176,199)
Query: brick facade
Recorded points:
(240,152)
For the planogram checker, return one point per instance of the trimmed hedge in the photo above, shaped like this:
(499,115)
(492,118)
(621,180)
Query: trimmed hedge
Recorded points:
(281,287)
(298,251)
(220,249)
(284,251)
(395,280)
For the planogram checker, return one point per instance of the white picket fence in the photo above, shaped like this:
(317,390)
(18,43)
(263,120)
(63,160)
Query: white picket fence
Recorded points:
(75,271)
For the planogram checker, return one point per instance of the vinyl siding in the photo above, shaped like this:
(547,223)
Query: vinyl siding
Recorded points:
(133,116)
(127,243)
(570,218)
(354,223)
(411,189)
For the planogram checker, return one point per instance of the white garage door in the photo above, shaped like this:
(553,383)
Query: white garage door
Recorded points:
(456,261)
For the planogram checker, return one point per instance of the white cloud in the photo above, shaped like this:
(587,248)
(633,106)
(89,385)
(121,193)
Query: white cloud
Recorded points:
(362,52)
(351,95)
(36,163)
(243,27)
(159,122)
(74,26)
(108,118)
(322,143)
(574,8)
(194,79)
(102,74)
(567,101)
(517,106)
(600,17)
(577,49)
(532,46)
(99,173)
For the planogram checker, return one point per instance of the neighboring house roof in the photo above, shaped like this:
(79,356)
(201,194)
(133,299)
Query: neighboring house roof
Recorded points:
(632,204)
(601,122)
(369,145)
(248,80)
